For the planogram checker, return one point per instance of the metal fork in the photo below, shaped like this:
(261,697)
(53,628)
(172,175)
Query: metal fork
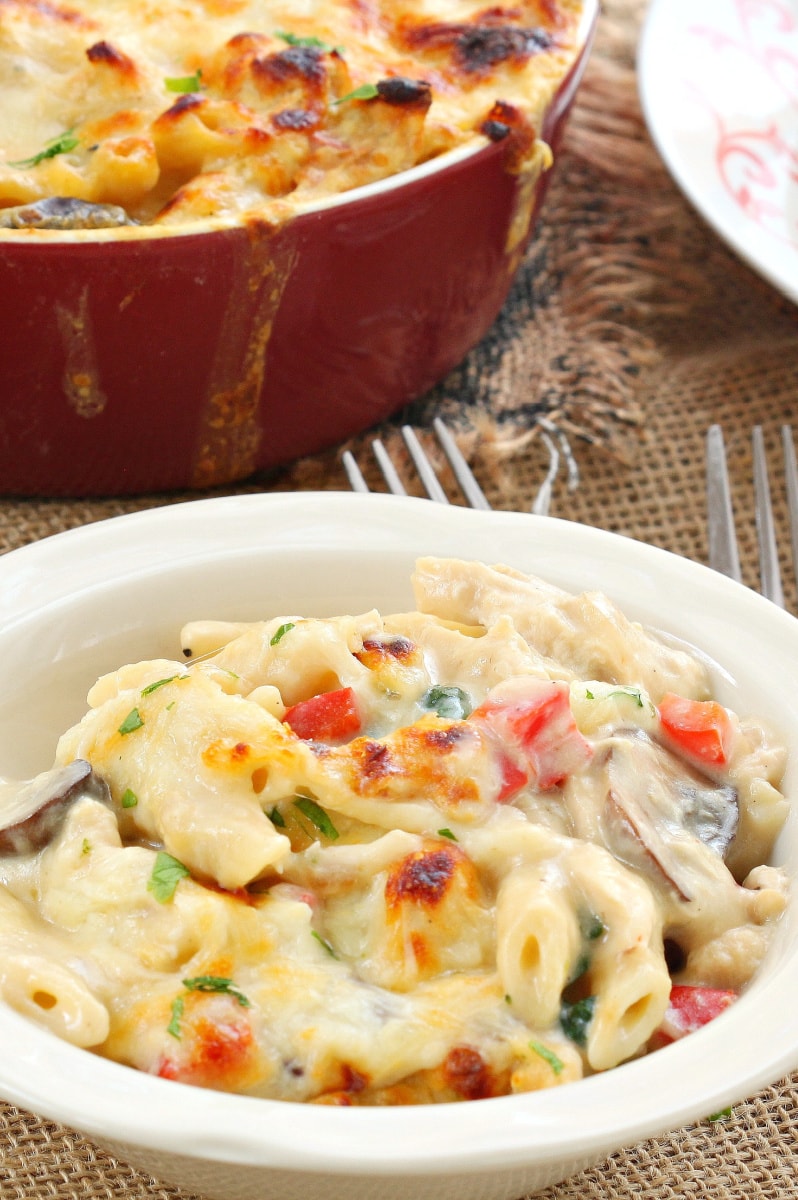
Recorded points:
(722,537)
(556,444)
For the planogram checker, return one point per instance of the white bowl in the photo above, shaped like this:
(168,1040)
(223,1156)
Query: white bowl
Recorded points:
(77,604)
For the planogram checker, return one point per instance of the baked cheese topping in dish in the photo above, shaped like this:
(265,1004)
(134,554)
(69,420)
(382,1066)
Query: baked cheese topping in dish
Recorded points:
(489,846)
(167,113)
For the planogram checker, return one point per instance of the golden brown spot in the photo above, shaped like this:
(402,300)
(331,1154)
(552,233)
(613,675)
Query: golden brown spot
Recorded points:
(380,650)
(405,93)
(294,119)
(107,55)
(375,760)
(506,121)
(351,1079)
(304,63)
(479,47)
(221,754)
(423,877)
(467,1074)
(188,102)
(422,951)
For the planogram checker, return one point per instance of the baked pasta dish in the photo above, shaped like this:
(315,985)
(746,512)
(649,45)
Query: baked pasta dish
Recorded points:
(166,113)
(489,846)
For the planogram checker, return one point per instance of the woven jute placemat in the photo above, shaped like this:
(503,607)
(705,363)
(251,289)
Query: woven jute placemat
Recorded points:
(631,328)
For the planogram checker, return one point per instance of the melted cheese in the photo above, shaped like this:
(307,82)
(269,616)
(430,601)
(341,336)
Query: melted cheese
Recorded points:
(404,907)
(222,109)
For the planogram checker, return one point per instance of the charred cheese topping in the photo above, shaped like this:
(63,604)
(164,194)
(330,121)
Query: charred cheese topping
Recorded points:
(167,113)
(489,846)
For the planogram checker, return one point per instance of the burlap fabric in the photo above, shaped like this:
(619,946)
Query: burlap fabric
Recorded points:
(632,328)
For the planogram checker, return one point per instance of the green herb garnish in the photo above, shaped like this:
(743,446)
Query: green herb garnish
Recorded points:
(184,83)
(218,984)
(447,833)
(366,91)
(450,702)
(310,43)
(593,928)
(178,1004)
(633,692)
(550,1057)
(720,1116)
(86,847)
(166,875)
(317,815)
(323,941)
(61,144)
(132,721)
(277,818)
(280,633)
(575,1018)
(159,683)
(129,798)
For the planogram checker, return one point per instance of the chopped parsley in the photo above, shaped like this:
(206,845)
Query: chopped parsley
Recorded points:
(129,798)
(203,983)
(632,692)
(178,1004)
(184,83)
(218,984)
(594,929)
(166,875)
(317,815)
(86,847)
(450,702)
(132,721)
(723,1115)
(323,941)
(277,818)
(280,633)
(310,43)
(554,1061)
(159,683)
(62,144)
(447,833)
(575,1018)
(366,91)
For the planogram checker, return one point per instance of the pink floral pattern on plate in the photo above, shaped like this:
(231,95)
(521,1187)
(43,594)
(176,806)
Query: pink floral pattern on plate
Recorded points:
(729,133)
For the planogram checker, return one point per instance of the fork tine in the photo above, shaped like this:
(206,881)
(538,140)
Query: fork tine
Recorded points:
(769,572)
(462,472)
(722,539)
(353,472)
(426,473)
(541,505)
(389,472)
(791,482)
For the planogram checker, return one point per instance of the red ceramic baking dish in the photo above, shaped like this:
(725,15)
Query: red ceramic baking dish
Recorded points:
(188,360)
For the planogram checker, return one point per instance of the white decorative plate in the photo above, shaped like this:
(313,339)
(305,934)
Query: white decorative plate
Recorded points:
(719,87)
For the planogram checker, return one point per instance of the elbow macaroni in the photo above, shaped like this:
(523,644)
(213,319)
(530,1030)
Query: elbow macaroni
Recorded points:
(404,860)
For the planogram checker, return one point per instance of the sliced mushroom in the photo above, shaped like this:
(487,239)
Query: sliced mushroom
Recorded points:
(64,212)
(31,812)
(660,812)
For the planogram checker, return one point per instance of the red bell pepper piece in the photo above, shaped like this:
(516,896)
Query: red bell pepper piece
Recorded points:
(536,726)
(689,1008)
(700,729)
(328,717)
